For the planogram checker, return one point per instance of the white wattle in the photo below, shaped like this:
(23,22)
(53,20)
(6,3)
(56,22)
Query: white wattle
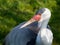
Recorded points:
(45,35)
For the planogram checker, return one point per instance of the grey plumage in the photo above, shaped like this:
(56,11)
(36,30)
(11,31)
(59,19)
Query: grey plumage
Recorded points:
(22,36)
(28,34)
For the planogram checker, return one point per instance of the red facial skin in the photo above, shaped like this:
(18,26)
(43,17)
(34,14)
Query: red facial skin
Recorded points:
(37,17)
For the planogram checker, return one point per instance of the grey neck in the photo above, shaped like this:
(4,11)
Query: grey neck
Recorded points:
(44,24)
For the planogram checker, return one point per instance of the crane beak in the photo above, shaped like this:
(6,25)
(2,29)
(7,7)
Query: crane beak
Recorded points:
(35,18)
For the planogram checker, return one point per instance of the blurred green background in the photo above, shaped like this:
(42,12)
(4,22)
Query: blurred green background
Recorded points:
(13,12)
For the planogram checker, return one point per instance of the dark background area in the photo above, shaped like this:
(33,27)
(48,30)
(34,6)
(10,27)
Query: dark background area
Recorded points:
(13,12)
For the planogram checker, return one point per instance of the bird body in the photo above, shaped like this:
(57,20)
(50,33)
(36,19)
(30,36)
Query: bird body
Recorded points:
(32,32)
(18,36)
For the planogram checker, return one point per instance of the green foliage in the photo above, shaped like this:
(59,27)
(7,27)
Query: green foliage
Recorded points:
(13,12)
